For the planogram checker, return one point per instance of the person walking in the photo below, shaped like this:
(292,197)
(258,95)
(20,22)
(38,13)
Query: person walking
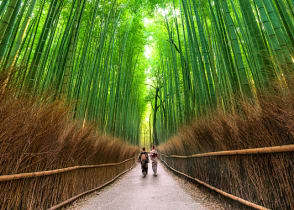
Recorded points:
(144,159)
(154,155)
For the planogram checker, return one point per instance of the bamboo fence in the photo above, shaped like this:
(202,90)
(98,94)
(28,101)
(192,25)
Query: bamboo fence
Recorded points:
(253,151)
(69,201)
(228,195)
(5,178)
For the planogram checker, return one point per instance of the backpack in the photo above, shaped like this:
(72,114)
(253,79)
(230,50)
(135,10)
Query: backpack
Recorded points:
(144,157)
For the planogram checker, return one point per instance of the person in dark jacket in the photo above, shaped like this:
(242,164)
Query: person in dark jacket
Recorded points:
(144,159)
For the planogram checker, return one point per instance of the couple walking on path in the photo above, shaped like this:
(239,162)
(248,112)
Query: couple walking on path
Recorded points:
(144,159)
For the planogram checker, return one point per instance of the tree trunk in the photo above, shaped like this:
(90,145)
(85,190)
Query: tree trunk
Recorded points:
(155,138)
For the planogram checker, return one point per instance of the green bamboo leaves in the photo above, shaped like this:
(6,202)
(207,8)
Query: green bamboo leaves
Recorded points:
(90,53)
(220,49)
(87,53)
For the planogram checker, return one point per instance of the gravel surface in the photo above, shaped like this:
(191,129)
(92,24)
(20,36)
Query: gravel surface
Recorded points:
(165,192)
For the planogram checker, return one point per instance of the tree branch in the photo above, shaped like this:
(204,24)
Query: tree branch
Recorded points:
(150,85)
(174,44)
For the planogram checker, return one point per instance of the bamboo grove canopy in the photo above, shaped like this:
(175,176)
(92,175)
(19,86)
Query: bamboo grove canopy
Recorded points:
(208,53)
(86,51)
(91,54)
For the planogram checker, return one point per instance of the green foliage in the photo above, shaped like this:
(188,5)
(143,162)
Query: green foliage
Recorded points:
(208,53)
(89,53)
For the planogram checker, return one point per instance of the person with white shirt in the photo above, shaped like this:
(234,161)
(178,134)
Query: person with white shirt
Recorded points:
(154,155)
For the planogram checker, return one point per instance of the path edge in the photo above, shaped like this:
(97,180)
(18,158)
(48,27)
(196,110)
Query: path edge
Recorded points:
(72,199)
(225,194)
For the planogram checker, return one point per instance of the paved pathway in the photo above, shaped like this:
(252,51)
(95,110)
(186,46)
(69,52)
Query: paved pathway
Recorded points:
(134,192)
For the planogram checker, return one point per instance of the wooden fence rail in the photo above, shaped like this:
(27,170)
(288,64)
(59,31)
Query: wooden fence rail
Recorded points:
(263,150)
(228,195)
(253,151)
(71,200)
(5,178)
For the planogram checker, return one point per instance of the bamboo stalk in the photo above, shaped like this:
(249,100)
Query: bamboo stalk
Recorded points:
(253,151)
(11,177)
(228,195)
(68,201)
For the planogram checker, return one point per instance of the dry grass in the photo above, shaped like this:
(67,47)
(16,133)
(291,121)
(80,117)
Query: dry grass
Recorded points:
(37,136)
(265,179)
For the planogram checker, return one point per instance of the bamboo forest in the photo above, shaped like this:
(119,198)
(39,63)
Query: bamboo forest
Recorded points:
(86,84)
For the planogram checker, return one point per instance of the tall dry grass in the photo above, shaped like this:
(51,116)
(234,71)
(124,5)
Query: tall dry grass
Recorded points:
(40,135)
(265,179)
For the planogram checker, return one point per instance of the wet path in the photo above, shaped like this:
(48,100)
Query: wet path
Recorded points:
(133,191)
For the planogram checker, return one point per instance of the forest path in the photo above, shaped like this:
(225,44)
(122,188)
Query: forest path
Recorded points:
(132,191)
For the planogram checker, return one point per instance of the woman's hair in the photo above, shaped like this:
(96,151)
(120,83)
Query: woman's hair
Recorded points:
(153,147)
